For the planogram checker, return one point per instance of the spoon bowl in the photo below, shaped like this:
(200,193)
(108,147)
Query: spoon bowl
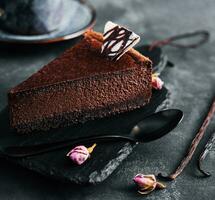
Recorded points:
(156,125)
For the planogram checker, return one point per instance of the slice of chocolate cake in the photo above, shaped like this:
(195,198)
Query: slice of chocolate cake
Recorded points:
(80,85)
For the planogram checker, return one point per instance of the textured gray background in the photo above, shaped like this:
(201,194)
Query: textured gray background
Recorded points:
(191,83)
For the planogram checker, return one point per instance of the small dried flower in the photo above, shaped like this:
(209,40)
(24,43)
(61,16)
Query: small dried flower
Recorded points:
(147,183)
(80,154)
(157,83)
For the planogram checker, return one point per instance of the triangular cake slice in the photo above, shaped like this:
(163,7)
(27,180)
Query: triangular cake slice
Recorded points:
(80,85)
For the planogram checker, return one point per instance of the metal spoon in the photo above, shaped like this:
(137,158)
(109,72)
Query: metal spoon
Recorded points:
(149,129)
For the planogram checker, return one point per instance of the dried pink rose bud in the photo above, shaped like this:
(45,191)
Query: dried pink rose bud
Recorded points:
(157,83)
(147,183)
(80,154)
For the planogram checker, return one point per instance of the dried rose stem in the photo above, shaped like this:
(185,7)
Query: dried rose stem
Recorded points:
(193,145)
(172,40)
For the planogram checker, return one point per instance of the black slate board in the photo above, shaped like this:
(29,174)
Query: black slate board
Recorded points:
(105,158)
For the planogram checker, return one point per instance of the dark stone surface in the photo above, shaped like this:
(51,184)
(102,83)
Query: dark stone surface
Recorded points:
(191,83)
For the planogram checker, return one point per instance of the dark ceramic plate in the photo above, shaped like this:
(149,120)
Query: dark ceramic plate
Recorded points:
(78,17)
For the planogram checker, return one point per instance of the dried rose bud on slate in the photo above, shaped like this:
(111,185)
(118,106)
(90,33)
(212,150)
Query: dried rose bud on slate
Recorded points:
(117,40)
(80,154)
(157,83)
(147,183)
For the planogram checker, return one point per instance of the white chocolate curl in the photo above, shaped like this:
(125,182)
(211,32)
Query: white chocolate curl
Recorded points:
(117,40)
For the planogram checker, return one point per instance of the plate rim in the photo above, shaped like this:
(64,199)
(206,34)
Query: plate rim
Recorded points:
(58,38)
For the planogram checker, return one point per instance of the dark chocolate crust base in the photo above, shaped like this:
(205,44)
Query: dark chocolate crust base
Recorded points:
(67,119)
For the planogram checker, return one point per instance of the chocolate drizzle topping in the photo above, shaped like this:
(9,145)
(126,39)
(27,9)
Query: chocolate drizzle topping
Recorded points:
(117,41)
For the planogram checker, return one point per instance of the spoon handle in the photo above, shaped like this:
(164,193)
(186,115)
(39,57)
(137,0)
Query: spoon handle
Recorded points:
(24,151)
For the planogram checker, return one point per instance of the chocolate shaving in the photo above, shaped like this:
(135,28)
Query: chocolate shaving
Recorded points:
(193,146)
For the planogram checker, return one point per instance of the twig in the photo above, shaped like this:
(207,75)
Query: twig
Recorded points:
(204,36)
(193,145)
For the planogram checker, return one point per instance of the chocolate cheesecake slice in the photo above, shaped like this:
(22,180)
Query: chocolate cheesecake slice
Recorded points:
(80,85)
